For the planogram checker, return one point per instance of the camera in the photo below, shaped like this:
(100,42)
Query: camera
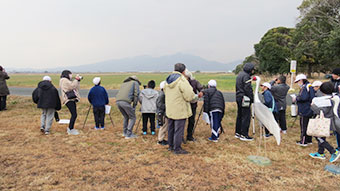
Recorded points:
(79,77)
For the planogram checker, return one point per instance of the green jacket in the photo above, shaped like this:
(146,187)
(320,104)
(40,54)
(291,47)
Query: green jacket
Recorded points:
(129,92)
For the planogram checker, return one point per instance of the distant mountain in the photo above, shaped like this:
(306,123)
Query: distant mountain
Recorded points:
(152,64)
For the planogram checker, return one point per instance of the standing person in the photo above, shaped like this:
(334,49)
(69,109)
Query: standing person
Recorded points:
(324,104)
(98,98)
(178,95)
(244,98)
(269,101)
(316,86)
(4,92)
(279,90)
(304,100)
(197,87)
(214,105)
(46,97)
(127,95)
(148,98)
(161,116)
(70,96)
(336,87)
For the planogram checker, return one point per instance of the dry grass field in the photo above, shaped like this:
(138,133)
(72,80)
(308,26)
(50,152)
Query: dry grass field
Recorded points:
(103,160)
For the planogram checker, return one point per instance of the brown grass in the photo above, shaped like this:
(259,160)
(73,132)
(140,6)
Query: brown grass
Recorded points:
(103,160)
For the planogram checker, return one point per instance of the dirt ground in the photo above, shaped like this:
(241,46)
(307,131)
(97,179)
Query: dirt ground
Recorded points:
(103,160)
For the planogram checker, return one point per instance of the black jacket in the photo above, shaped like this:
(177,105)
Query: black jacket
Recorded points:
(280,92)
(243,83)
(197,87)
(46,96)
(213,99)
(160,103)
(336,84)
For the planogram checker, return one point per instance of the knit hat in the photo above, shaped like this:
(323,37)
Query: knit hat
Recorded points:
(162,85)
(96,80)
(316,84)
(266,84)
(47,78)
(212,83)
(336,71)
(326,88)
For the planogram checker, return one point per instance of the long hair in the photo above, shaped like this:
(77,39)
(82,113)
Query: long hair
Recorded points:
(66,74)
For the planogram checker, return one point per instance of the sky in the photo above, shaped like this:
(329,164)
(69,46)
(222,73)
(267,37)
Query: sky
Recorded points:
(58,33)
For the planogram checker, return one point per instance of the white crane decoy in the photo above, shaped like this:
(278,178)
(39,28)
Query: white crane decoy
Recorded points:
(336,101)
(264,115)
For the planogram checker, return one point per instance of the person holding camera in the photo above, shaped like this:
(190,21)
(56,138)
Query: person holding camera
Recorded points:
(4,92)
(70,96)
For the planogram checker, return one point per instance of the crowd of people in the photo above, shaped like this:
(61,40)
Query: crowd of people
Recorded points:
(176,105)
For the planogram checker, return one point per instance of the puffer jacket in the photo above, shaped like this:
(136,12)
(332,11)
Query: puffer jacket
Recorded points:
(243,83)
(213,99)
(304,100)
(129,92)
(148,98)
(68,85)
(178,95)
(4,91)
(46,96)
(280,92)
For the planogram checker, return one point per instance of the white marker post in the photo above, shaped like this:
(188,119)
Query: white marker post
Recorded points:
(292,72)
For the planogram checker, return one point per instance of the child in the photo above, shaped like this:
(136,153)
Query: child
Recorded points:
(161,117)
(46,97)
(98,98)
(214,105)
(324,104)
(269,102)
(316,86)
(148,98)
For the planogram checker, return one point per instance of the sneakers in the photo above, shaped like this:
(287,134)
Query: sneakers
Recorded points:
(102,128)
(268,135)
(335,156)
(181,152)
(237,136)
(170,149)
(153,133)
(72,131)
(132,136)
(317,156)
(47,132)
(284,131)
(246,138)
(213,140)
(163,143)
(96,128)
(42,129)
(301,144)
(191,139)
(144,133)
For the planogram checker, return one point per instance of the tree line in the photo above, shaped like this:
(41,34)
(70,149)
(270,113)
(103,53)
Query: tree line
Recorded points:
(314,42)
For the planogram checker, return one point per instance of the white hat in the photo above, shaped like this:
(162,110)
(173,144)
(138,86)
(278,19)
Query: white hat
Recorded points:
(96,80)
(47,78)
(266,84)
(212,83)
(300,77)
(316,84)
(162,84)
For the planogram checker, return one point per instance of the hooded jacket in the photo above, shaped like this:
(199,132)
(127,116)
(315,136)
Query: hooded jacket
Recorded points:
(129,91)
(243,83)
(213,99)
(148,98)
(98,96)
(68,85)
(3,85)
(178,95)
(280,92)
(46,96)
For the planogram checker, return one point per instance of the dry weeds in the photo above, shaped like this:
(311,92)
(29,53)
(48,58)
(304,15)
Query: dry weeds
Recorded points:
(103,160)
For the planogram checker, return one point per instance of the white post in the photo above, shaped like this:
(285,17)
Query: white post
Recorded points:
(292,72)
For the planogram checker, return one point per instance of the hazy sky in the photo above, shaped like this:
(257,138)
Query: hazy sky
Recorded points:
(53,33)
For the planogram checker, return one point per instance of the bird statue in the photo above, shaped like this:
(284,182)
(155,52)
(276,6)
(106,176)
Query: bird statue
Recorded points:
(264,115)
(336,118)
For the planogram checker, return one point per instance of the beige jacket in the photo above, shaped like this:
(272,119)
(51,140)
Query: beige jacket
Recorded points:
(178,94)
(68,85)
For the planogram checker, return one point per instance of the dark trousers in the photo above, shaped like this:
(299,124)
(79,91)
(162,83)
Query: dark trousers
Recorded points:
(304,138)
(191,121)
(99,116)
(215,123)
(72,107)
(337,135)
(323,144)
(175,133)
(243,118)
(146,117)
(3,100)
(266,130)
(280,117)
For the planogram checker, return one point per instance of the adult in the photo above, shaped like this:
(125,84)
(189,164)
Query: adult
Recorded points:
(279,90)
(244,99)
(178,95)
(4,92)
(161,116)
(70,96)
(127,95)
(304,100)
(46,97)
(336,87)
(197,87)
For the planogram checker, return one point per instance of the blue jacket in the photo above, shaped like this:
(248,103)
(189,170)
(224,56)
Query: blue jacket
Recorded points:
(98,96)
(304,100)
(269,101)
